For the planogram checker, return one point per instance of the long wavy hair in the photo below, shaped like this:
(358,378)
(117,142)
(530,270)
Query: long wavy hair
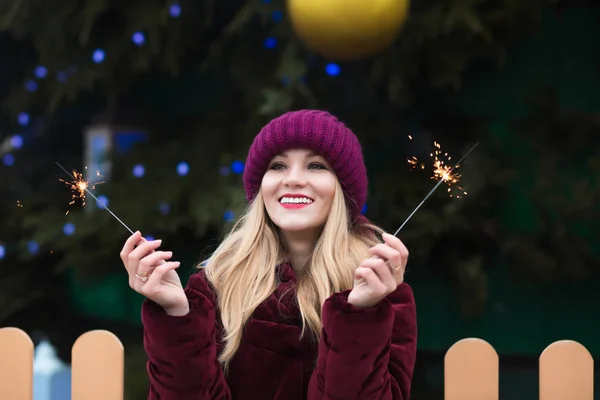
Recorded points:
(242,270)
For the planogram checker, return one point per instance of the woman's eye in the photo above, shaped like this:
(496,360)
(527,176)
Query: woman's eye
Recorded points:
(277,166)
(316,166)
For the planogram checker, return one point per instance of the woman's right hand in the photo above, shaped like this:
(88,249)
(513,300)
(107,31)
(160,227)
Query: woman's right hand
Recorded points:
(152,274)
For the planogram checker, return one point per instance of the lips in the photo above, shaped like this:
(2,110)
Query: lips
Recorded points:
(293,199)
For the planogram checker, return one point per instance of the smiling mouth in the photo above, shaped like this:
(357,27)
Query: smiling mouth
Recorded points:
(295,201)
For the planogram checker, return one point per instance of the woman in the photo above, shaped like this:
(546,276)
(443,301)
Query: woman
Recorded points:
(300,300)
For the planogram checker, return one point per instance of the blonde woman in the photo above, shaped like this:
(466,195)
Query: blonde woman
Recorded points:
(304,298)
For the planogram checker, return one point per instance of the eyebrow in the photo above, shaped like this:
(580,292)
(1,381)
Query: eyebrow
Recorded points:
(284,154)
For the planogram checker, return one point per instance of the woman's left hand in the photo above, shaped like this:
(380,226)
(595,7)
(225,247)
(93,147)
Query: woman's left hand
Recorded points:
(379,276)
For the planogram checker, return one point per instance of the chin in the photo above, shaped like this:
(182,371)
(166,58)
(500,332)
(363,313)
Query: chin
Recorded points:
(296,226)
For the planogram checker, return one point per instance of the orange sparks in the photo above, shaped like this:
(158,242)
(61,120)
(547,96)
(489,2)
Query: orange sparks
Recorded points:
(19,204)
(78,187)
(442,169)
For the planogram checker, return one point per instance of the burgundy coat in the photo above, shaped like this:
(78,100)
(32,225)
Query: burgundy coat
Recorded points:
(364,354)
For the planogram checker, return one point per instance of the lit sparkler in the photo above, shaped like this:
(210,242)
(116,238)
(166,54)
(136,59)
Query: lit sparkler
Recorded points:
(83,186)
(79,186)
(444,175)
(442,169)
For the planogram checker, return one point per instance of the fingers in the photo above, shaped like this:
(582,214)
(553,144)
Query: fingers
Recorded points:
(155,279)
(387,253)
(397,244)
(129,246)
(141,251)
(150,262)
(377,274)
(395,253)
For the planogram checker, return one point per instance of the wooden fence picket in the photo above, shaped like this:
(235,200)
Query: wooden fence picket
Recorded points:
(98,367)
(471,371)
(16,365)
(566,372)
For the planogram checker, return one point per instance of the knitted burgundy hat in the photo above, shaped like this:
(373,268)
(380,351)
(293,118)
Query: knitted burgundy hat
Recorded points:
(313,130)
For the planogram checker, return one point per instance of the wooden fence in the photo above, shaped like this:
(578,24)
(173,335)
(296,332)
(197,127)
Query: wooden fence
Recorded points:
(471,369)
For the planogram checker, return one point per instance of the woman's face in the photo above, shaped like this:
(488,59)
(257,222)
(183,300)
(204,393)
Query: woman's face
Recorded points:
(298,190)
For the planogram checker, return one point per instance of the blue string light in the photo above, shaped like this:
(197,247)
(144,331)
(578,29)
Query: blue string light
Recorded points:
(164,208)
(61,76)
(8,160)
(98,56)
(364,209)
(228,216)
(237,167)
(175,10)
(33,247)
(16,141)
(2,252)
(277,15)
(138,38)
(69,229)
(31,85)
(149,238)
(102,199)
(138,170)
(225,171)
(40,72)
(332,69)
(23,118)
(183,168)
(270,43)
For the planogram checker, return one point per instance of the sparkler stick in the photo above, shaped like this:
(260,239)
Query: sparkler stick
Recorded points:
(84,187)
(443,179)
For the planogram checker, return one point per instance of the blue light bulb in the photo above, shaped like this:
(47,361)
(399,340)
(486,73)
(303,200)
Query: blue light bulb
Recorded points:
(237,167)
(270,43)
(31,85)
(23,118)
(138,38)
(33,247)
(8,160)
(277,15)
(40,72)
(98,56)
(228,216)
(183,168)
(164,208)
(102,201)
(175,10)
(332,69)
(138,170)
(224,171)
(16,141)
(69,229)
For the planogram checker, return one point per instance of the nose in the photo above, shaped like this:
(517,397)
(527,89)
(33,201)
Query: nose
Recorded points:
(295,177)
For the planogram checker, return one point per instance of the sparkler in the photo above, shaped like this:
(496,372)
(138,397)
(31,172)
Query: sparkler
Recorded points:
(80,188)
(441,169)
(442,173)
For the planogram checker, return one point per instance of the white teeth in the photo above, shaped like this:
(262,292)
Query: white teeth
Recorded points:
(295,200)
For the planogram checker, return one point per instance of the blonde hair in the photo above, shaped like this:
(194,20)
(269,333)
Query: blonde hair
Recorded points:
(242,269)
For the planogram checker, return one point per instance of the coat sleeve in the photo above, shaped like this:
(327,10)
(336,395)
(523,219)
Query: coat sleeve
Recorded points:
(182,350)
(366,353)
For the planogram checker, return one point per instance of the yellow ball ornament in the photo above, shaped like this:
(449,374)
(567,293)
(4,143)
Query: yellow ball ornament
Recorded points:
(347,30)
